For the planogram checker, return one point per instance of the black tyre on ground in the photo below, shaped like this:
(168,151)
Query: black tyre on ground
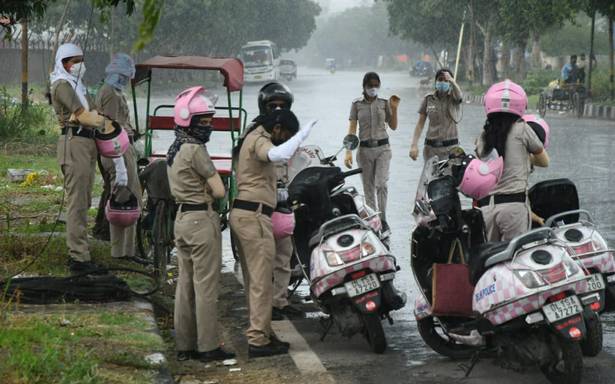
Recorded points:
(162,240)
(568,367)
(592,345)
(374,332)
(436,339)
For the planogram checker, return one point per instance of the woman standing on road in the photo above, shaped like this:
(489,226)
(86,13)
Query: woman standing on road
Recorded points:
(371,113)
(506,210)
(441,107)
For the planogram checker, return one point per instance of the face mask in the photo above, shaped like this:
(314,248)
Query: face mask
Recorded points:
(201,132)
(442,86)
(372,92)
(78,70)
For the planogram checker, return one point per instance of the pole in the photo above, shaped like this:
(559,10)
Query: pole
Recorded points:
(24,63)
(463,23)
(611,59)
(591,54)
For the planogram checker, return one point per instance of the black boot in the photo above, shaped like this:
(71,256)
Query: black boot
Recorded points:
(271,349)
(215,355)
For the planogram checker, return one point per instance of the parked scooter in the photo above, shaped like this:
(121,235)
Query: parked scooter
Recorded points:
(525,302)
(558,201)
(350,270)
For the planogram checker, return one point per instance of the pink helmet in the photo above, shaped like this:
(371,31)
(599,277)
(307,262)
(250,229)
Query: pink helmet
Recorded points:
(283,224)
(505,96)
(480,177)
(114,143)
(122,215)
(540,126)
(192,102)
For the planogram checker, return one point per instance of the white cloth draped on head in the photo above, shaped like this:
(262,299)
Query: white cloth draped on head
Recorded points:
(59,73)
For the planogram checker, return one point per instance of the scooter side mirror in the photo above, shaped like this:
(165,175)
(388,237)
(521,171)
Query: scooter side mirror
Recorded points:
(351,142)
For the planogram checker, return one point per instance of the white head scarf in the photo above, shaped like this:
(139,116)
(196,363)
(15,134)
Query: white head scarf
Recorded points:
(59,73)
(121,65)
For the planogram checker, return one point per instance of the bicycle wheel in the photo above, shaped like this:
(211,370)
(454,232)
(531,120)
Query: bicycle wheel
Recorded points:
(162,240)
(542,105)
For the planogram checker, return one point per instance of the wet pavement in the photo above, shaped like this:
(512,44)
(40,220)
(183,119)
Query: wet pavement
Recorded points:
(580,150)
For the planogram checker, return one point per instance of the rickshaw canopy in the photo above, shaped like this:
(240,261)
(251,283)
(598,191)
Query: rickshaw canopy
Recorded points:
(230,68)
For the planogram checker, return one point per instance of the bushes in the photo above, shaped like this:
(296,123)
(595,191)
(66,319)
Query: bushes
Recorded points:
(33,124)
(537,80)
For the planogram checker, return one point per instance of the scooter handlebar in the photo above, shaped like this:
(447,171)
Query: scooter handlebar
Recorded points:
(352,172)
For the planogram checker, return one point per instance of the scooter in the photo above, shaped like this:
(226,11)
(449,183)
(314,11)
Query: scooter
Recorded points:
(525,302)
(577,229)
(351,271)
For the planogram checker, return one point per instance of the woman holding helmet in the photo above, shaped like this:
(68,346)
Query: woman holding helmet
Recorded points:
(195,184)
(506,209)
(111,102)
(441,107)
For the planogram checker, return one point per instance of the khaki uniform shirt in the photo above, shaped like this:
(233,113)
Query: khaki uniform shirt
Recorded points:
(521,141)
(256,175)
(188,175)
(112,103)
(372,116)
(65,101)
(440,111)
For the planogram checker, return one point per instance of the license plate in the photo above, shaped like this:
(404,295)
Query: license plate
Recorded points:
(596,282)
(562,309)
(363,285)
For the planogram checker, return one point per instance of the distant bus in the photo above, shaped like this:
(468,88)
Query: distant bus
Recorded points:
(261,61)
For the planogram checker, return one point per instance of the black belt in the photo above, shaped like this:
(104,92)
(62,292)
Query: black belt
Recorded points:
(441,143)
(193,207)
(374,143)
(502,199)
(252,206)
(80,131)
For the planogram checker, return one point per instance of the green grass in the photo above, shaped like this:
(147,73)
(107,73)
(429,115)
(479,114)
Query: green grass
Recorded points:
(79,347)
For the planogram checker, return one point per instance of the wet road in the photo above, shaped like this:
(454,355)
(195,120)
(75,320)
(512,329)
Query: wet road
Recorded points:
(580,150)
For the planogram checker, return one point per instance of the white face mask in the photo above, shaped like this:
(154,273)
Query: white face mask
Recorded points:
(78,70)
(372,92)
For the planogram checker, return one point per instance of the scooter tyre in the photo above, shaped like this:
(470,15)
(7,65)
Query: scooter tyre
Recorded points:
(592,345)
(448,348)
(570,366)
(374,332)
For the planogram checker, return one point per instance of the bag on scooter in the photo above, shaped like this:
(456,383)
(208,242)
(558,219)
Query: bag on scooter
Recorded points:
(451,288)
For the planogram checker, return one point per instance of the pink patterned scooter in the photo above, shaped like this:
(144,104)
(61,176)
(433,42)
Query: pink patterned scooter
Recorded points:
(526,304)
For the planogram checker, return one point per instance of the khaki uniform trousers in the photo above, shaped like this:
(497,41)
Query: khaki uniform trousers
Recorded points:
(256,247)
(375,163)
(281,271)
(77,158)
(199,255)
(506,221)
(123,239)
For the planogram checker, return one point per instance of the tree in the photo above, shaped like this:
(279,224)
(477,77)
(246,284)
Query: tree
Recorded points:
(607,8)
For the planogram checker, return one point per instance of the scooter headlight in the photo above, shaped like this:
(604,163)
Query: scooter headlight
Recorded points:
(333,259)
(529,278)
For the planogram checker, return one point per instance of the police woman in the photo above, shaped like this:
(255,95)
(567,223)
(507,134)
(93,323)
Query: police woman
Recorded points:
(195,184)
(111,102)
(274,138)
(442,107)
(506,210)
(372,114)
(271,97)
(76,152)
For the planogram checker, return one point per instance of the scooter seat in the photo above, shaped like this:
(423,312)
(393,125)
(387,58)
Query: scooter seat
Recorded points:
(480,254)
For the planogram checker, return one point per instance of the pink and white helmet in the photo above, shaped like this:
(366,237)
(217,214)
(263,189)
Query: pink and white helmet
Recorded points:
(505,96)
(112,144)
(192,102)
(123,215)
(480,177)
(540,126)
(283,224)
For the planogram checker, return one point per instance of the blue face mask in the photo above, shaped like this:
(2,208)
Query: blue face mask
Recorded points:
(443,86)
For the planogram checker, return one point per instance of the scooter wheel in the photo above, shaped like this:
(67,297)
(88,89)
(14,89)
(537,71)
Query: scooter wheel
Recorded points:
(374,332)
(568,367)
(441,343)
(592,345)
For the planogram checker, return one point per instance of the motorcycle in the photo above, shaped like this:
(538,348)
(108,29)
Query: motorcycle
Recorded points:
(577,229)
(525,299)
(349,270)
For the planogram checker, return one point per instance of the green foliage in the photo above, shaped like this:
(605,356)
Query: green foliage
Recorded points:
(574,38)
(537,80)
(151,16)
(33,124)
(600,85)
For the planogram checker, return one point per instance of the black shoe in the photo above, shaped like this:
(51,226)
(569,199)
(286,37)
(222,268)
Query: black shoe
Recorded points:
(134,259)
(217,354)
(292,312)
(274,340)
(185,355)
(80,267)
(271,349)
(276,314)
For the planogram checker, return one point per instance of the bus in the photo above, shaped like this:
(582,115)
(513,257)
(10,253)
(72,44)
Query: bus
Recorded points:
(261,61)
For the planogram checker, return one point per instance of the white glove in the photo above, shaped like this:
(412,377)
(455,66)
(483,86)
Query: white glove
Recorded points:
(285,151)
(121,174)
